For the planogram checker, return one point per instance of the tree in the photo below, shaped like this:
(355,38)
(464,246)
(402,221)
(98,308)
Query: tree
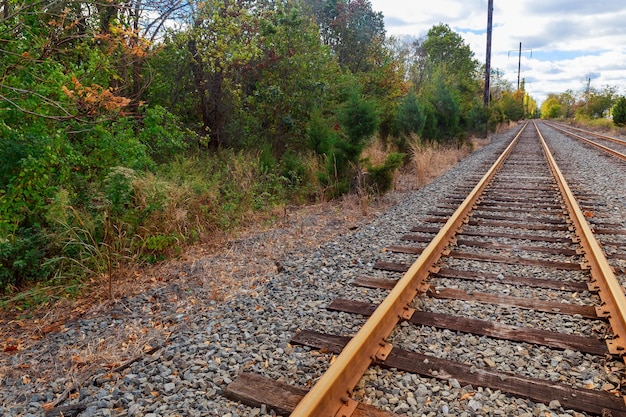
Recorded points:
(598,102)
(351,29)
(444,52)
(568,103)
(222,43)
(445,72)
(358,120)
(447,110)
(410,118)
(293,75)
(619,112)
(551,107)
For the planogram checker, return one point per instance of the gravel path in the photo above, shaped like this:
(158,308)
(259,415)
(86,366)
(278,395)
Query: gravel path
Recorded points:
(202,343)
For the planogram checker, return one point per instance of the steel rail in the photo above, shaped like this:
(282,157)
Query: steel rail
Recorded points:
(589,141)
(331,395)
(610,291)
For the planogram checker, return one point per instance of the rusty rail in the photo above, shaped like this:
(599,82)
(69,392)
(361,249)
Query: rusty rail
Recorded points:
(610,291)
(330,396)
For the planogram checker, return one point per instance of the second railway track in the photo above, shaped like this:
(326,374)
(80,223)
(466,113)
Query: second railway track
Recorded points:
(616,147)
(510,308)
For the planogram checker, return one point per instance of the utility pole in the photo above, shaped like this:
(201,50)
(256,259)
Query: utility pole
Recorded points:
(488,54)
(519,64)
(588,87)
(588,77)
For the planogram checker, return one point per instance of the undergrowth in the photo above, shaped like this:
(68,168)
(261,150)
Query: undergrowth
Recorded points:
(142,217)
(139,218)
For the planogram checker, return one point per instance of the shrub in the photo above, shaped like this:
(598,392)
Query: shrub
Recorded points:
(118,188)
(410,118)
(22,258)
(619,112)
(162,134)
(322,136)
(381,177)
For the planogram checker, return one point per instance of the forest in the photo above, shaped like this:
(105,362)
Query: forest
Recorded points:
(131,128)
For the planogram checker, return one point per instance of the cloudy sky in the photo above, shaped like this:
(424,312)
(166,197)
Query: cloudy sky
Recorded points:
(564,42)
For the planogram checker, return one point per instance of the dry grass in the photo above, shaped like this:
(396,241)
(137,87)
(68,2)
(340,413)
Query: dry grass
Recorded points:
(68,366)
(215,270)
(430,160)
(604,126)
(376,152)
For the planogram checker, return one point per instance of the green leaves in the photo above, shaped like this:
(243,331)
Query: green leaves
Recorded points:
(619,112)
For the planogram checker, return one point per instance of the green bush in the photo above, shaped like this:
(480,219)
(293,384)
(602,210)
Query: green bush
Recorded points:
(118,189)
(619,112)
(162,135)
(410,118)
(22,258)
(112,143)
(322,136)
(381,177)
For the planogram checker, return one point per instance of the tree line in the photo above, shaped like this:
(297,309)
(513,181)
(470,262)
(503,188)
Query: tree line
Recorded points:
(586,104)
(131,127)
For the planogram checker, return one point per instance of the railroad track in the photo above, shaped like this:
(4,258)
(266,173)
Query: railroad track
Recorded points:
(613,146)
(536,285)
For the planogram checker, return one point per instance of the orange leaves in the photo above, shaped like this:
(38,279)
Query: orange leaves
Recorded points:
(124,39)
(95,100)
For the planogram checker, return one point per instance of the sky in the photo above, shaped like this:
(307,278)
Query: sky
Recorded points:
(565,43)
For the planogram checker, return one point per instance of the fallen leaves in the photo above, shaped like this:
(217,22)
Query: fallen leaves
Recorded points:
(12,345)
(47,406)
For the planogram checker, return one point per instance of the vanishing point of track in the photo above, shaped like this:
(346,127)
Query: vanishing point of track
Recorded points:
(520,213)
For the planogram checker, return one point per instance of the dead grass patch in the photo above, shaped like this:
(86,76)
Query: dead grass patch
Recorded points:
(430,160)
(69,366)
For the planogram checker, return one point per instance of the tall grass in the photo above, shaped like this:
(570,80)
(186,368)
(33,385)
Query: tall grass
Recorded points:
(430,159)
(147,217)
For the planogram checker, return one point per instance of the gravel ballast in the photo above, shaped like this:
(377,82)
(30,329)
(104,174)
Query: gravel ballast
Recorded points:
(207,342)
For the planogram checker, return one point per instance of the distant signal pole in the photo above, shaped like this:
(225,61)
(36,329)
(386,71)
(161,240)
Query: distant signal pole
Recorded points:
(488,55)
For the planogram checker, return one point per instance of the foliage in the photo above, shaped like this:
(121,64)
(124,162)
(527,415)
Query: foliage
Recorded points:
(445,73)
(129,129)
(511,106)
(118,189)
(445,112)
(222,44)
(293,75)
(551,107)
(619,112)
(381,177)
(22,258)
(597,103)
(352,29)
(162,134)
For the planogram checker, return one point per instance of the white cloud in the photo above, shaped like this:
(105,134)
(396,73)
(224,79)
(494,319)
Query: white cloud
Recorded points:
(568,39)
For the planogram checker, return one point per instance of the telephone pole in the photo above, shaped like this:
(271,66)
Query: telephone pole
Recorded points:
(488,55)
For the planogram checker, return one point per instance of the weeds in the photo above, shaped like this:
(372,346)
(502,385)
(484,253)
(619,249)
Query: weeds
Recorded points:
(88,255)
